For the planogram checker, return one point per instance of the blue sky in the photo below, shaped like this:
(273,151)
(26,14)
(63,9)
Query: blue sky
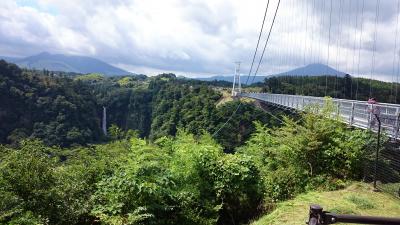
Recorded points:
(48,8)
(206,37)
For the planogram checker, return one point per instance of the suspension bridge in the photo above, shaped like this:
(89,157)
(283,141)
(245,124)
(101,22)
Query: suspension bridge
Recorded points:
(360,114)
(350,37)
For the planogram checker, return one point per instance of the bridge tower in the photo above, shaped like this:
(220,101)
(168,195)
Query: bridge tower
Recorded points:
(237,85)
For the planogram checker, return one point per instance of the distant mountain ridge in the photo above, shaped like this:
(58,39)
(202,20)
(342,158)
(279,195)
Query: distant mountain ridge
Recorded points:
(315,69)
(309,70)
(67,63)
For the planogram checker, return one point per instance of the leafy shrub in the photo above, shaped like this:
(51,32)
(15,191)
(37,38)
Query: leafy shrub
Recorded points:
(310,153)
(27,182)
(283,184)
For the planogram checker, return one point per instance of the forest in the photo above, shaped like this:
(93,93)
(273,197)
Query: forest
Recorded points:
(186,179)
(162,161)
(66,110)
(344,87)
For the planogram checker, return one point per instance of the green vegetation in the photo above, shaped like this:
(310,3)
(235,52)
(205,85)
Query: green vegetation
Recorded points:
(93,77)
(356,199)
(174,181)
(160,163)
(346,87)
(66,111)
(182,180)
(300,156)
(55,109)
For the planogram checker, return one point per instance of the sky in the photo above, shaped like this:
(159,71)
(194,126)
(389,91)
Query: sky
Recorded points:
(198,38)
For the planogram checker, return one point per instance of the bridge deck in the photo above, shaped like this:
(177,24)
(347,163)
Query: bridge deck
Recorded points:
(352,112)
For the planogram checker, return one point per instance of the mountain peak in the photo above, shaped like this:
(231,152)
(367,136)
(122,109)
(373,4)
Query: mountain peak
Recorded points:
(69,63)
(315,69)
(44,54)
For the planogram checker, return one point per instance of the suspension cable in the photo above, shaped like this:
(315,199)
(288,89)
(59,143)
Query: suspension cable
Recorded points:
(266,42)
(348,40)
(360,43)
(374,46)
(258,42)
(354,49)
(329,43)
(339,45)
(395,51)
(305,51)
(312,35)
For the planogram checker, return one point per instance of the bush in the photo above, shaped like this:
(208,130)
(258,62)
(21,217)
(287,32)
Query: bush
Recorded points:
(314,152)
(283,184)
(180,181)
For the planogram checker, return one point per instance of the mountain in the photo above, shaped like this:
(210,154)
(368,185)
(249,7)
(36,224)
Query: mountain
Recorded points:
(309,70)
(67,63)
(316,69)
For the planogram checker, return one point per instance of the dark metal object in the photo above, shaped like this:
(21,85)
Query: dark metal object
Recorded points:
(377,150)
(320,217)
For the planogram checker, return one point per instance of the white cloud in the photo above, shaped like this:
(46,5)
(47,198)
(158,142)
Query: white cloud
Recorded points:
(201,36)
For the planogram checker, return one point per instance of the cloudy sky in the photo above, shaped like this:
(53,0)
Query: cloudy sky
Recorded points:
(206,37)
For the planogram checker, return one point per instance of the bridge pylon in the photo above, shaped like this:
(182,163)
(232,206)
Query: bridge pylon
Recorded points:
(237,85)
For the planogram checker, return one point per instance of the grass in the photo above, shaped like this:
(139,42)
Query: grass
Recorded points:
(393,188)
(357,199)
(226,97)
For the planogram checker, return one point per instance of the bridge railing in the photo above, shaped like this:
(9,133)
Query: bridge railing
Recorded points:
(355,113)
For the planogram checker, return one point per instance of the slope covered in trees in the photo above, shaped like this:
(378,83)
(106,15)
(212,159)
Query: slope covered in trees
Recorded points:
(185,179)
(346,87)
(55,109)
(64,109)
(160,163)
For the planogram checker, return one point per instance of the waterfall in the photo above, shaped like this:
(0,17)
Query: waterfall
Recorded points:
(104,125)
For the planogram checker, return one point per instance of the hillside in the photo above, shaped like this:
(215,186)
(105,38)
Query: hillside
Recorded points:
(164,159)
(356,199)
(346,87)
(67,63)
(315,69)
(66,111)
